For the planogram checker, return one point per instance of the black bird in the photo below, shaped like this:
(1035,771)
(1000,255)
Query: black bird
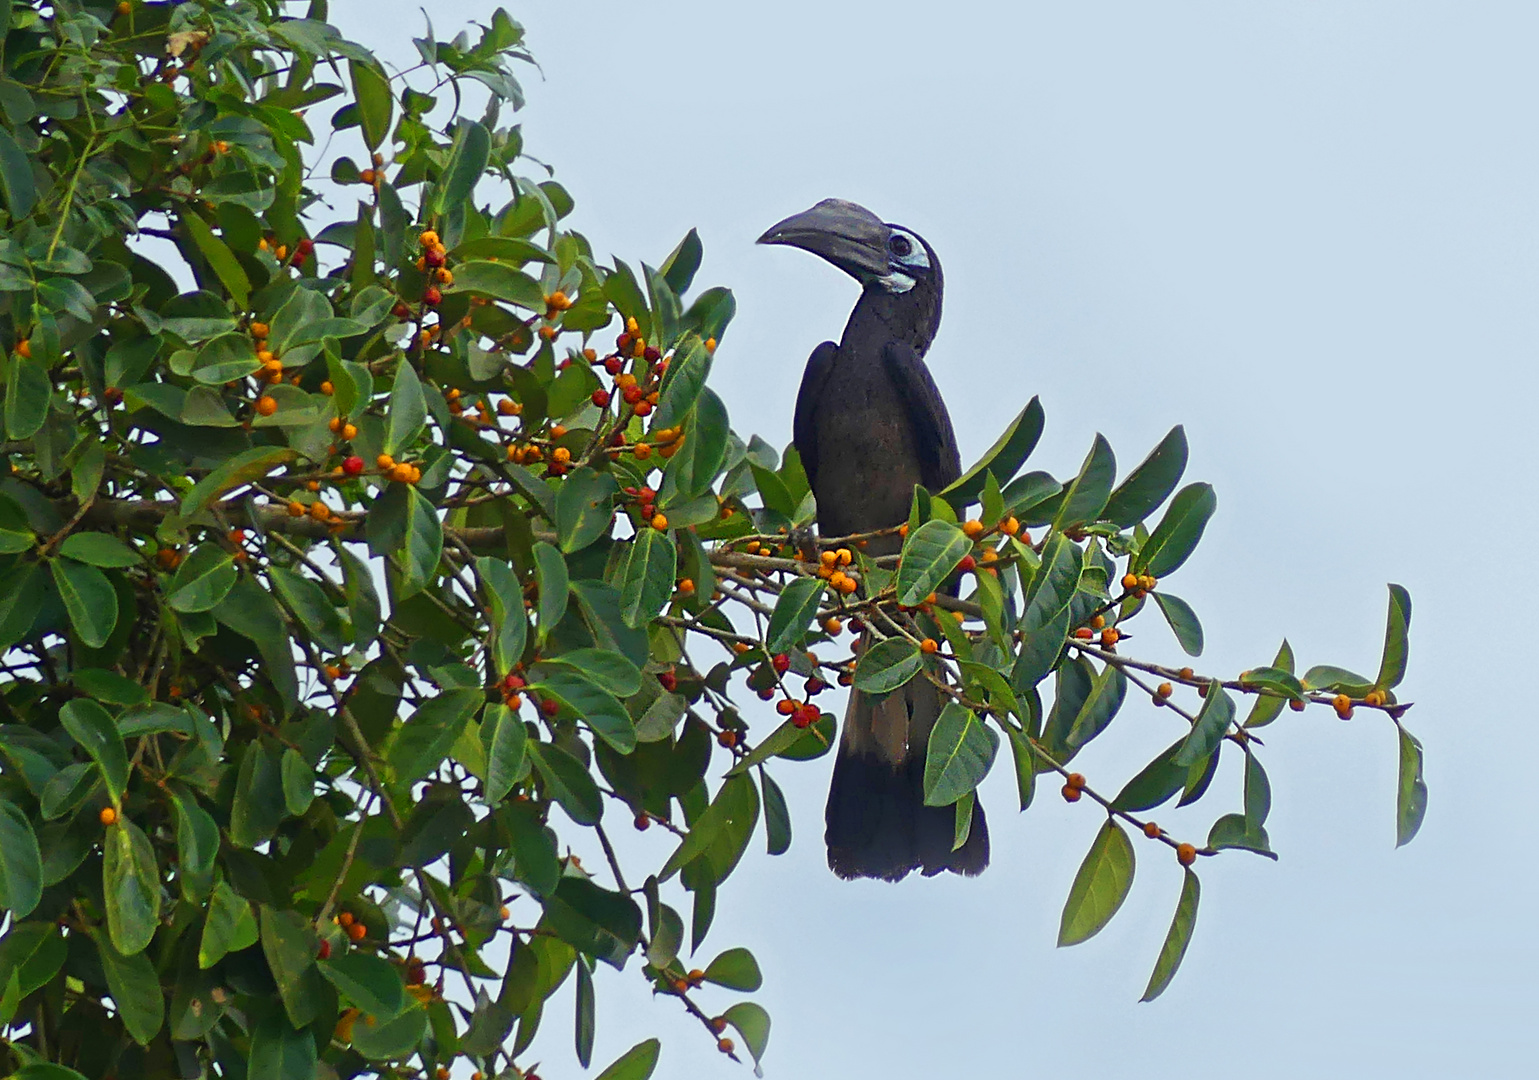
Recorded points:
(870,424)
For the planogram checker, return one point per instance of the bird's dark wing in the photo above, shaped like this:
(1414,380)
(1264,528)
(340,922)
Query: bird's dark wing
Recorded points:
(939,461)
(804,429)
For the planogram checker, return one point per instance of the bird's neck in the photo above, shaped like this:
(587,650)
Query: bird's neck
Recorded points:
(879,317)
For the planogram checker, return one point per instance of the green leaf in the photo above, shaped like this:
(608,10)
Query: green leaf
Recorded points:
(371,90)
(26,394)
(777,816)
(684,381)
(605,667)
(887,665)
(89,598)
(1106,696)
(1099,888)
(603,924)
(203,579)
(1086,495)
(793,614)
(1268,707)
(279,1051)
(647,579)
(636,1063)
(1212,724)
(369,982)
(298,782)
(197,845)
(568,782)
(309,602)
(467,161)
(135,990)
(1054,583)
(930,554)
(424,543)
(99,549)
(395,1038)
(90,726)
(289,943)
(705,448)
(228,927)
(1334,679)
(500,281)
(1178,938)
(131,886)
(1410,791)
(753,1024)
(679,267)
(592,704)
(1396,639)
(17,184)
(1155,783)
(21,863)
(585,1018)
(504,249)
(259,806)
(584,508)
(719,834)
(1002,459)
(1183,622)
(221,260)
(1178,532)
(421,745)
(1258,793)
(251,611)
(736,969)
(504,735)
(242,469)
(509,620)
(407,413)
(1233,831)
(960,752)
(550,576)
(1150,484)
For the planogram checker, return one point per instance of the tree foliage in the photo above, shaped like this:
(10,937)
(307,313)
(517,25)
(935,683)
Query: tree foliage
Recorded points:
(358,566)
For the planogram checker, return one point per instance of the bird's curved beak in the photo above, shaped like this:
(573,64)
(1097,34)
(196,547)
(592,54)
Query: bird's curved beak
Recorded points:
(845,233)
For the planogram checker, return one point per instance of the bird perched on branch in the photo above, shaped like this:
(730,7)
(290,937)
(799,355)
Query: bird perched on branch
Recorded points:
(869,425)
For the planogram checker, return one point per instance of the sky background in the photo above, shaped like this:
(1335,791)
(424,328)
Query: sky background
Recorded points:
(1306,231)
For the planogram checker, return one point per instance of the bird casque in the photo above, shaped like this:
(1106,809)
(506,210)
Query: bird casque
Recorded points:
(870,424)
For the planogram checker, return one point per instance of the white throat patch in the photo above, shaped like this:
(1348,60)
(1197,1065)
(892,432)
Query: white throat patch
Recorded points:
(896,282)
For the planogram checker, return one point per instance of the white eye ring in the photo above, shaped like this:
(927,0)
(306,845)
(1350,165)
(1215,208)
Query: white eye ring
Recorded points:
(906,250)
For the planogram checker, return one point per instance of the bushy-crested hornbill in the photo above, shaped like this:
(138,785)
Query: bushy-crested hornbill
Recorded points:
(870,424)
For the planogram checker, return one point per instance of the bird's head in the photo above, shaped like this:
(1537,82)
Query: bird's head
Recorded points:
(880,256)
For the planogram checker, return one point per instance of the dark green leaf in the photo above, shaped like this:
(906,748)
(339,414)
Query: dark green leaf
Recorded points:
(279,1051)
(960,752)
(298,782)
(369,982)
(21,863)
(98,549)
(135,990)
(504,736)
(607,668)
(467,161)
(636,1063)
(719,835)
(407,413)
(309,602)
(1106,695)
(1268,707)
(90,726)
(736,969)
(16,180)
(793,614)
(753,1024)
(584,509)
(371,90)
(585,1017)
(1232,831)
(1053,585)
(1176,941)
(592,704)
(682,384)
(887,665)
(203,579)
(220,259)
(289,943)
(930,554)
(1099,888)
(421,745)
(1183,622)
(229,926)
(1396,639)
(1258,793)
(1150,484)
(501,282)
(1002,460)
(777,816)
(131,885)
(1085,496)
(242,469)
(1178,532)
(89,598)
(568,782)
(647,580)
(1212,724)
(1154,784)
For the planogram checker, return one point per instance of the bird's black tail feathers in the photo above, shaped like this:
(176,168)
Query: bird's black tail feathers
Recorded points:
(877,823)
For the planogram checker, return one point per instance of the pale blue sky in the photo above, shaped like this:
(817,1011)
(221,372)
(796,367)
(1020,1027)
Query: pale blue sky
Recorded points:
(1307,231)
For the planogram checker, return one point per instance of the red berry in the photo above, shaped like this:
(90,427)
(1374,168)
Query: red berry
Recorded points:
(807,715)
(433,258)
(651,354)
(549,707)
(324,951)
(648,510)
(642,822)
(646,495)
(432,297)
(401,311)
(815,686)
(669,680)
(303,249)
(614,365)
(781,663)
(643,408)
(968,564)
(632,394)
(623,342)
(601,398)
(353,465)
(511,682)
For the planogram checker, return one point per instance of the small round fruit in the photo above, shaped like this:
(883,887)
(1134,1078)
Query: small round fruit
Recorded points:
(324,952)
(1186,854)
(266,405)
(108,815)
(1071,793)
(353,465)
(1151,830)
(725,1045)
(357,931)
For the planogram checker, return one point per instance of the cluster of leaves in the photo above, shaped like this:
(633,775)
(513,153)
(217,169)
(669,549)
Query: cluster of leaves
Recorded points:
(331,587)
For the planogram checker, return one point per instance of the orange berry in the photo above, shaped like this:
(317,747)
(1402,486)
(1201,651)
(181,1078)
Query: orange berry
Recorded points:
(929,646)
(345,919)
(1184,673)
(1010,526)
(1109,636)
(847,585)
(1164,690)
(557,431)
(504,913)
(107,816)
(385,462)
(1071,794)
(24,349)
(973,528)
(1297,704)
(1098,622)
(357,931)
(428,239)
(320,511)
(335,424)
(832,625)
(349,432)
(327,388)
(686,585)
(296,509)
(660,522)
(1186,854)
(1084,633)
(725,1045)
(259,330)
(1076,780)
(1151,830)
(903,529)
(1130,581)
(266,405)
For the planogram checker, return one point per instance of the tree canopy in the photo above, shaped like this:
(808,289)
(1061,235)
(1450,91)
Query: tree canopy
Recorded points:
(358,565)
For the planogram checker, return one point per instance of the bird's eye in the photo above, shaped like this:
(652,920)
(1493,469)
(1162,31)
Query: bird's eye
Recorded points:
(901,246)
